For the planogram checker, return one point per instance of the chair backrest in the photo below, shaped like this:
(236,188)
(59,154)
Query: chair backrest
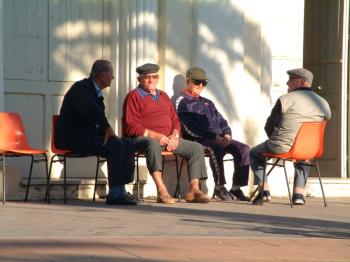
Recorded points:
(54,149)
(308,143)
(12,133)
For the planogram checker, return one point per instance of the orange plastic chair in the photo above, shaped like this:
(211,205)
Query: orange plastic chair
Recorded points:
(164,155)
(307,146)
(62,156)
(13,143)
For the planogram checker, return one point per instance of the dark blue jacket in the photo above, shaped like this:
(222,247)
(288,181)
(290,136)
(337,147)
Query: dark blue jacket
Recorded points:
(200,118)
(82,120)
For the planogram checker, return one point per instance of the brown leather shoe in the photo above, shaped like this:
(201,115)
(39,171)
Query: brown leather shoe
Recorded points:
(198,197)
(165,199)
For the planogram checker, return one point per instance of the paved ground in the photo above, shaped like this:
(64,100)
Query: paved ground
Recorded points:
(219,231)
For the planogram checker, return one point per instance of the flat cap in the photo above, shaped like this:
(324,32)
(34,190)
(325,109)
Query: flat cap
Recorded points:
(147,69)
(302,73)
(196,73)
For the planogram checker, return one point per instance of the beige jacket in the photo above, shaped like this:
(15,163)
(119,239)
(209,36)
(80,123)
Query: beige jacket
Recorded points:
(301,105)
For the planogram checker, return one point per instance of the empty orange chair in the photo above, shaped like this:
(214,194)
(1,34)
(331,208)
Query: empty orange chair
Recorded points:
(307,146)
(13,143)
(62,156)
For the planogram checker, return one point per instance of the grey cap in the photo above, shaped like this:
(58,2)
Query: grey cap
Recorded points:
(302,73)
(196,73)
(147,69)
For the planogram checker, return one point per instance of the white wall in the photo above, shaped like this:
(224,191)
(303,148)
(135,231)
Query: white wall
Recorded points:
(245,47)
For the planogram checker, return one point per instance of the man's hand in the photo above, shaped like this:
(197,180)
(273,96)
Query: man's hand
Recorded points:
(109,132)
(173,142)
(225,140)
(162,139)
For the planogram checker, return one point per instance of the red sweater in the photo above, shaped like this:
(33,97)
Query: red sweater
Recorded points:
(143,112)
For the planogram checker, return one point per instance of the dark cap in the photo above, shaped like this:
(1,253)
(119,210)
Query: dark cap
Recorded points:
(196,73)
(147,69)
(302,73)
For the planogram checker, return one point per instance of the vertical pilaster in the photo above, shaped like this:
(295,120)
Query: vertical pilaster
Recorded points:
(137,25)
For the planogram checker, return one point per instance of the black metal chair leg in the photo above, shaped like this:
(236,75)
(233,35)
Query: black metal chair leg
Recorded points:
(3,180)
(49,180)
(178,175)
(137,179)
(96,176)
(253,193)
(65,180)
(29,177)
(285,174)
(263,185)
(163,163)
(177,190)
(319,177)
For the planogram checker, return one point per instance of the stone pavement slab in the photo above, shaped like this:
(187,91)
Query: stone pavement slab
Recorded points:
(218,231)
(174,249)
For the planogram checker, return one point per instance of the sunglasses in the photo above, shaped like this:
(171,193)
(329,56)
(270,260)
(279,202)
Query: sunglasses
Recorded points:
(198,82)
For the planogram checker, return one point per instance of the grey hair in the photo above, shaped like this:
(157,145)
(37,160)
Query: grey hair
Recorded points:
(99,67)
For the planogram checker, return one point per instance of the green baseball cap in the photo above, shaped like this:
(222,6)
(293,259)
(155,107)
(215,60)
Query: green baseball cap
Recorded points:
(196,73)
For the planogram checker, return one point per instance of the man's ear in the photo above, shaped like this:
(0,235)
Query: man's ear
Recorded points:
(304,82)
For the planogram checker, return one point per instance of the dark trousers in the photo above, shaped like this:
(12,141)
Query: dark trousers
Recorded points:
(120,160)
(240,153)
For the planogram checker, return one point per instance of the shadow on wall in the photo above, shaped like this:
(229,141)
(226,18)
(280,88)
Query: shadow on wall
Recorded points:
(179,84)
(78,32)
(229,48)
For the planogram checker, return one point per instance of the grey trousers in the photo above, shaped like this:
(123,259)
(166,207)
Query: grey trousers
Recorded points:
(191,151)
(257,163)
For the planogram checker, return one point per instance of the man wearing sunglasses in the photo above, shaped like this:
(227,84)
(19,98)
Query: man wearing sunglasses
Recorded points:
(203,123)
(149,117)
(299,105)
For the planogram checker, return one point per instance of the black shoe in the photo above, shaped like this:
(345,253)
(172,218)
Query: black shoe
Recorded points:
(298,199)
(222,193)
(238,194)
(266,197)
(125,199)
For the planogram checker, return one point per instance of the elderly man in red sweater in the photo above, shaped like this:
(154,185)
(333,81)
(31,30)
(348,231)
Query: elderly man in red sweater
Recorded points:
(149,117)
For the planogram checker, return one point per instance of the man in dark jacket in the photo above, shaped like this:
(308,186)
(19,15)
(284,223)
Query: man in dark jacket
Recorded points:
(203,123)
(83,128)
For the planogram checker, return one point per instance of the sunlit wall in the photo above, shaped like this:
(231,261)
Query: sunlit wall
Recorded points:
(244,45)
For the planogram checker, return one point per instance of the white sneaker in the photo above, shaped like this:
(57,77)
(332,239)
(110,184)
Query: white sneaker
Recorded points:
(298,199)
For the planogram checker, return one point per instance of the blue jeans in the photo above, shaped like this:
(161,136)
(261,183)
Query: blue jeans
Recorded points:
(257,163)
